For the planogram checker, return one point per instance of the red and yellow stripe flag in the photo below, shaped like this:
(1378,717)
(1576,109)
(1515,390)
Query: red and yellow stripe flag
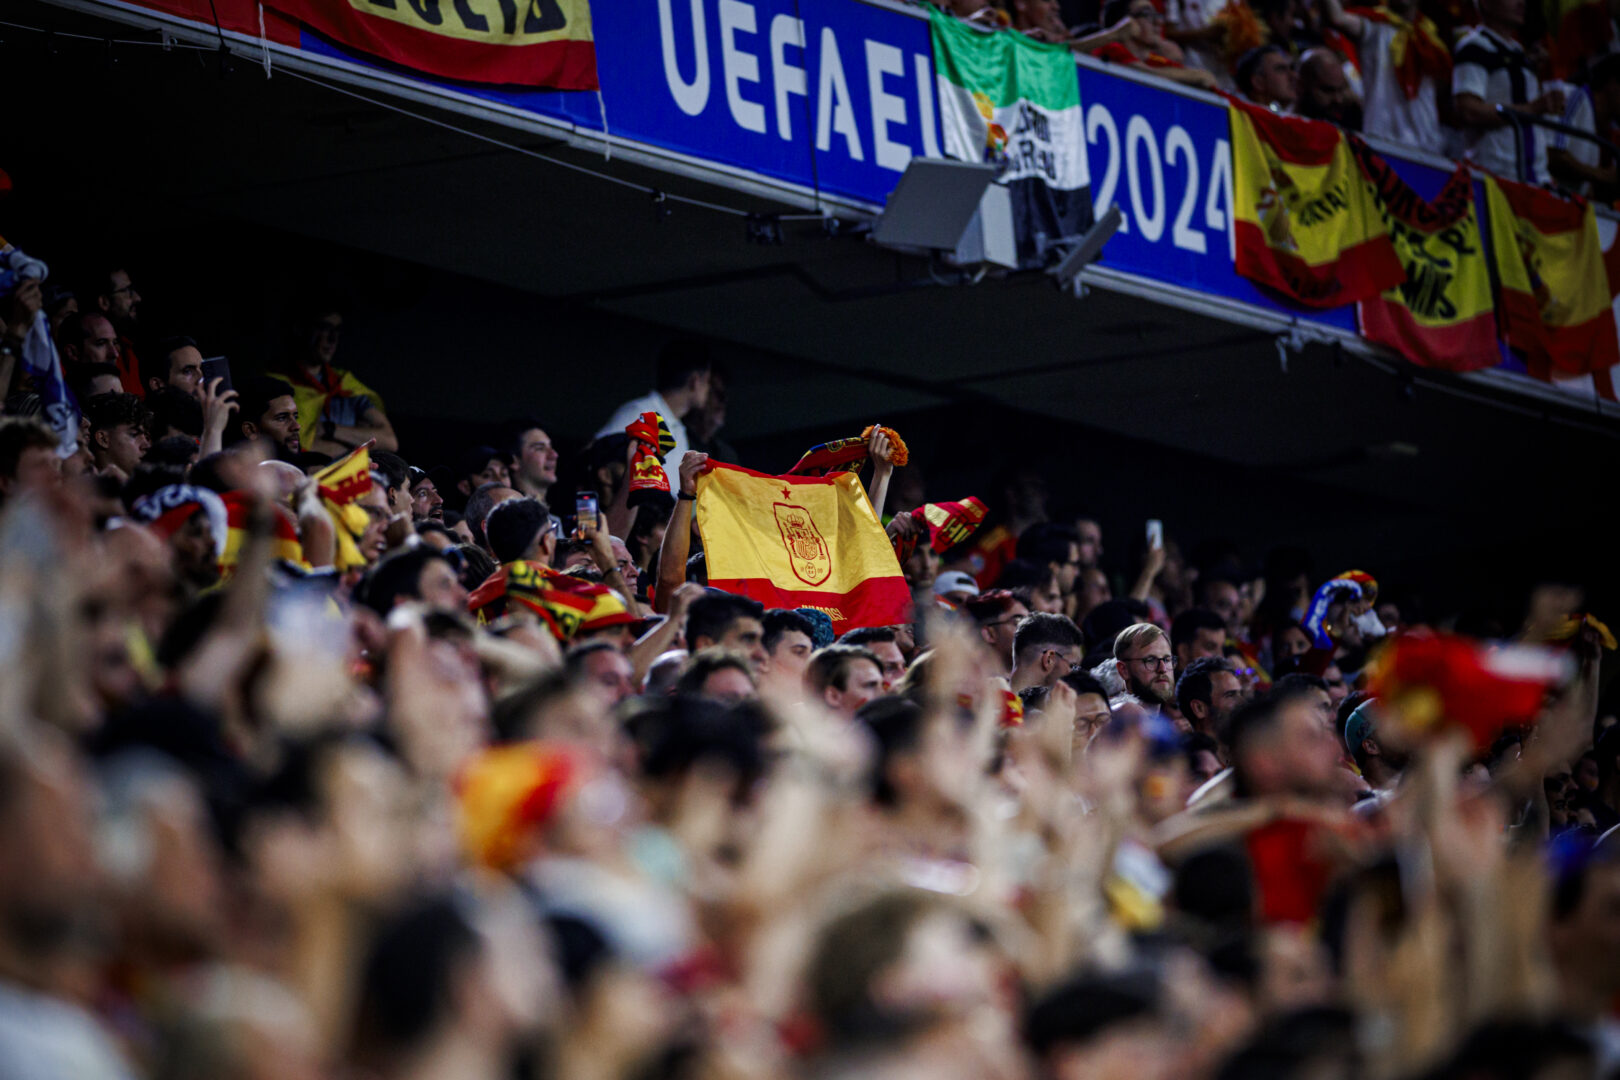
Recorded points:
(799,541)
(1442,315)
(1556,303)
(1306,221)
(341,484)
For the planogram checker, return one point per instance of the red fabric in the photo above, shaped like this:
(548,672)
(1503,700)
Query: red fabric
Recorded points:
(884,601)
(1288,873)
(1467,346)
(1116,52)
(1581,349)
(1426,54)
(1434,681)
(558,65)
(1295,139)
(1360,272)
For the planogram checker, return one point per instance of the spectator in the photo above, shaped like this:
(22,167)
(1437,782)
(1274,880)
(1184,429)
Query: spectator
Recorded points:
(1040,19)
(116,298)
(1195,634)
(1267,75)
(603,665)
(1135,36)
(88,380)
(119,436)
(1582,164)
(1143,659)
(532,458)
(1046,647)
(1279,744)
(1207,695)
(1379,765)
(28,459)
(178,363)
(681,384)
(1490,73)
(88,337)
(426,502)
(1325,92)
(717,674)
(336,411)
(479,504)
(1091,709)
(728,622)
(996,615)
(844,678)
(418,574)
(880,642)
(1404,67)
(787,639)
(268,409)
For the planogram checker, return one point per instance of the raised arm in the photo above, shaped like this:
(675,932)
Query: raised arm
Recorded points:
(678,536)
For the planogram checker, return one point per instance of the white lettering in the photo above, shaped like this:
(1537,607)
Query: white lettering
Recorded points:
(834,112)
(1180,144)
(1100,120)
(1137,132)
(786,31)
(1218,203)
(887,108)
(690,96)
(739,66)
(925,104)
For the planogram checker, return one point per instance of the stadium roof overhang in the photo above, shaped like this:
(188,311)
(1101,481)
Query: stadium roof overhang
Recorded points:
(843,330)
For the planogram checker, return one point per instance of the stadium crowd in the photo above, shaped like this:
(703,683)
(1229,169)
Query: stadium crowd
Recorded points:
(1466,79)
(454,770)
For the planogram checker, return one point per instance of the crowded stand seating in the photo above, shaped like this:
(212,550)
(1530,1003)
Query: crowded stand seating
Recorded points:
(323,758)
(1524,91)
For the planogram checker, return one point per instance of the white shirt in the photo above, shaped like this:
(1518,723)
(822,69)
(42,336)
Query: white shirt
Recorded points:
(1492,68)
(653,402)
(1195,15)
(1386,110)
(1578,114)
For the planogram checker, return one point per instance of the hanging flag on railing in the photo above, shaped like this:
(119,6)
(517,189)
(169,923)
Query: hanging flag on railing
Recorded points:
(1306,220)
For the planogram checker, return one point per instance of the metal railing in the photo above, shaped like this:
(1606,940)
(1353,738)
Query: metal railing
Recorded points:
(1517,120)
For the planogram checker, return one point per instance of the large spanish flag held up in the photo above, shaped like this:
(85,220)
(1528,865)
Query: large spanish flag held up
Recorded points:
(1555,299)
(800,541)
(1306,221)
(529,43)
(1443,314)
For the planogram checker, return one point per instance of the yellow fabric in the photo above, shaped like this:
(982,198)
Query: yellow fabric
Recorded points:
(311,402)
(1564,271)
(796,533)
(576,25)
(341,485)
(1311,212)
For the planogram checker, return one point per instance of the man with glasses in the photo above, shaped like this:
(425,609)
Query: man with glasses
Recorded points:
(997,614)
(1143,658)
(116,297)
(1046,647)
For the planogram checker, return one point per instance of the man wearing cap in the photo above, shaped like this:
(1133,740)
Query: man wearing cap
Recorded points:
(426,502)
(955,587)
(479,466)
(1379,765)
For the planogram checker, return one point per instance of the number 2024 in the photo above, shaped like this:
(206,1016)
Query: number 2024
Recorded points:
(1142,155)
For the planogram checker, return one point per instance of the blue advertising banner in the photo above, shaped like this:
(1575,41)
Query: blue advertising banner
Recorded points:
(837,96)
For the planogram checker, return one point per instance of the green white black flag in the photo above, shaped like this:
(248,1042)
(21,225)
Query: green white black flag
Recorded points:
(1004,97)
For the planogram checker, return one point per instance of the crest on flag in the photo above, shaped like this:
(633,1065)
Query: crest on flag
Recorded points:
(807,551)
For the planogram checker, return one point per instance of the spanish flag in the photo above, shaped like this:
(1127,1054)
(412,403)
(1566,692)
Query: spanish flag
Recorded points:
(284,545)
(1556,304)
(797,541)
(1442,315)
(1307,223)
(340,485)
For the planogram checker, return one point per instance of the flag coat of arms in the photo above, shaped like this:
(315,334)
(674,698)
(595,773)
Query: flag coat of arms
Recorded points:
(1443,314)
(534,43)
(1006,98)
(797,541)
(1556,304)
(1306,221)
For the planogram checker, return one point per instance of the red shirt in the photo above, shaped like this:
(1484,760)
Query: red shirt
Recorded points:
(1115,52)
